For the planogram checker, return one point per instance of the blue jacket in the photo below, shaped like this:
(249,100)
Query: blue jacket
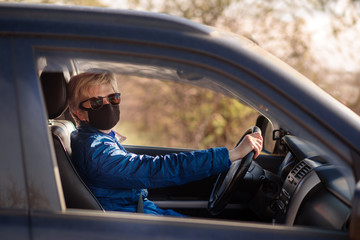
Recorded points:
(117,177)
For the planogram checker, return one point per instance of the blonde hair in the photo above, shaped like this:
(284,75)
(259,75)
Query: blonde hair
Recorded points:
(79,85)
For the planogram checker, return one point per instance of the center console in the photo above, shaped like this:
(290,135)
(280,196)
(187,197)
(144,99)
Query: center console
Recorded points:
(300,180)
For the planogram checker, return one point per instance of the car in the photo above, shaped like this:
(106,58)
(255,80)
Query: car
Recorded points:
(305,184)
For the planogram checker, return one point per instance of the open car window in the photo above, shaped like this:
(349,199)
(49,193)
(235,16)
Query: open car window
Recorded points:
(165,104)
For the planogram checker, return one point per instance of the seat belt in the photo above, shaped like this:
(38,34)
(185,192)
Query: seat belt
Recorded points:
(140,206)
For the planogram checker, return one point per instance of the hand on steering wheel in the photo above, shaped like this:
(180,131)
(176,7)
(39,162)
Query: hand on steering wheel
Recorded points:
(227,181)
(250,141)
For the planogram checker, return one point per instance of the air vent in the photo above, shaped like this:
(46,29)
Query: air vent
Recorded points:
(301,170)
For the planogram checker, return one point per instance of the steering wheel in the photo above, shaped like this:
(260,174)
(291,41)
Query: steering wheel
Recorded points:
(227,181)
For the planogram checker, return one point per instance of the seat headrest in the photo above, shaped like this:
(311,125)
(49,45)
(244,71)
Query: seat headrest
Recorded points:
(53,83)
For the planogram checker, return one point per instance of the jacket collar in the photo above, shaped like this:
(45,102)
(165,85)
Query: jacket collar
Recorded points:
(85,127)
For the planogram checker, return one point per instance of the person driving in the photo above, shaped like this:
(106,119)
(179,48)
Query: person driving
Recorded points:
(120,179)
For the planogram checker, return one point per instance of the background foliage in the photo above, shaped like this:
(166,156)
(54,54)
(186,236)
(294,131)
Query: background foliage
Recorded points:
(164,113)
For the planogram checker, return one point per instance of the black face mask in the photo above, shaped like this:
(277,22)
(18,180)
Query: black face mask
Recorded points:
(104,118)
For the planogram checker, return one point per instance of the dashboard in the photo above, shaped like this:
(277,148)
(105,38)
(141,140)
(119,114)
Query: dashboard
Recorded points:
(314,193)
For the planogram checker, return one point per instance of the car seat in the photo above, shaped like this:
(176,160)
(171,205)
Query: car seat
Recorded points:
(76,193)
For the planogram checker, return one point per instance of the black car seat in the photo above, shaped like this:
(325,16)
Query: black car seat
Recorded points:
(76,193)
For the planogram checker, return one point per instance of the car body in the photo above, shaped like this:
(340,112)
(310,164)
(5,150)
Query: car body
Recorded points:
(305,130)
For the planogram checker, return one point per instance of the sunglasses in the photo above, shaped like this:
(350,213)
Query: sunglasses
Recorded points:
(97,102)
